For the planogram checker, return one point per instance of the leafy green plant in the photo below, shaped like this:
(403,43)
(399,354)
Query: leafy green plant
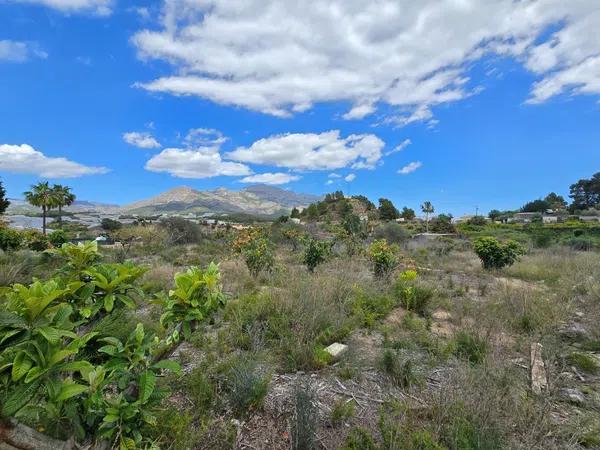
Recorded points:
(57,238)
(315,253)
(383,257)
(196,296)
(35,240)
(412,296)
(496,255)
(256,251)
(112,284)
(10,239)
(78,257)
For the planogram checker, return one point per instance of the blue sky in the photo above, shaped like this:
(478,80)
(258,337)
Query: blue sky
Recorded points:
(482,111)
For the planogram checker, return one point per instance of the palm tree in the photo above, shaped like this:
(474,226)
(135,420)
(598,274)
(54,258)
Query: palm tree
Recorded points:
(427,208)
(41,196)
(62,197)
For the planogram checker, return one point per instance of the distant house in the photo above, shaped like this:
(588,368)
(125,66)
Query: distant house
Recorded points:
(525,217)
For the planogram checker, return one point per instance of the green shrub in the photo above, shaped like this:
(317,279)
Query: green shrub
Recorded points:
(10,239)
(180,231)
(581,243)
(401,371)
(342,411)
(174,429)
(463,432)
(35,240)
(541,239)
(412,296)
(470,347)
(359,439)
(200,389)
(583,362)
(246,387)
(496,255)
(57,238)
(316,252)
(367,308)
(256,250)
(383,257)
(391,232)
(305,417)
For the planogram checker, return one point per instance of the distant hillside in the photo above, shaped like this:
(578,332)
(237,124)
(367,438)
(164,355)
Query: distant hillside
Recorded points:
(257,200)
(22,207)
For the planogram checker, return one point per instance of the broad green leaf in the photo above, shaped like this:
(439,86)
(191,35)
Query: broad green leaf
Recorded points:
(147,383)
(19,398)
(69,390)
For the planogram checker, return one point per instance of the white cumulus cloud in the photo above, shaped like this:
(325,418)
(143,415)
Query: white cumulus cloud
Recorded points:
(270,178)
(350,177)
(98,7)
(141,139)
(409,168)
(310,151)
(19,51)
(194,163)
(280,57)
(398,148)
(25,159)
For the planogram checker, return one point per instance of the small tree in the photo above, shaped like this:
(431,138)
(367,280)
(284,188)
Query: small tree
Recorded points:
(315,253)
(383,257)
(427,209)
(256,251)
(495,254)
(41,195)
(4,203)
(407,213)
(387,210)
(108,224)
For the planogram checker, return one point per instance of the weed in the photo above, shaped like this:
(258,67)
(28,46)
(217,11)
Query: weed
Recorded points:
(470,347)
(246,386)
(342,411)
(305,417)
(583,362)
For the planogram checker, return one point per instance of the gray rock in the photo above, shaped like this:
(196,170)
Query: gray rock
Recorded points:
(539,381)
(573,331)
(337,350)
(574,396)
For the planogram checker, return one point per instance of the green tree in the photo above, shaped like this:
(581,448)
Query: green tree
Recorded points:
(494,214)
(585,193)
(387,210)
(536,206)
(4,203)
(41,195)
(62,197)
(555,201)
(427,209)
(295,213)
(407,213)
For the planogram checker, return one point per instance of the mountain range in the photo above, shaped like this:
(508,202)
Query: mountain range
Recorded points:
(253,200)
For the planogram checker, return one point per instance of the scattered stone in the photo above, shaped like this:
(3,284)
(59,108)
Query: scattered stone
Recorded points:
(337,350)
(539,381)
(574,396)
(574,331)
